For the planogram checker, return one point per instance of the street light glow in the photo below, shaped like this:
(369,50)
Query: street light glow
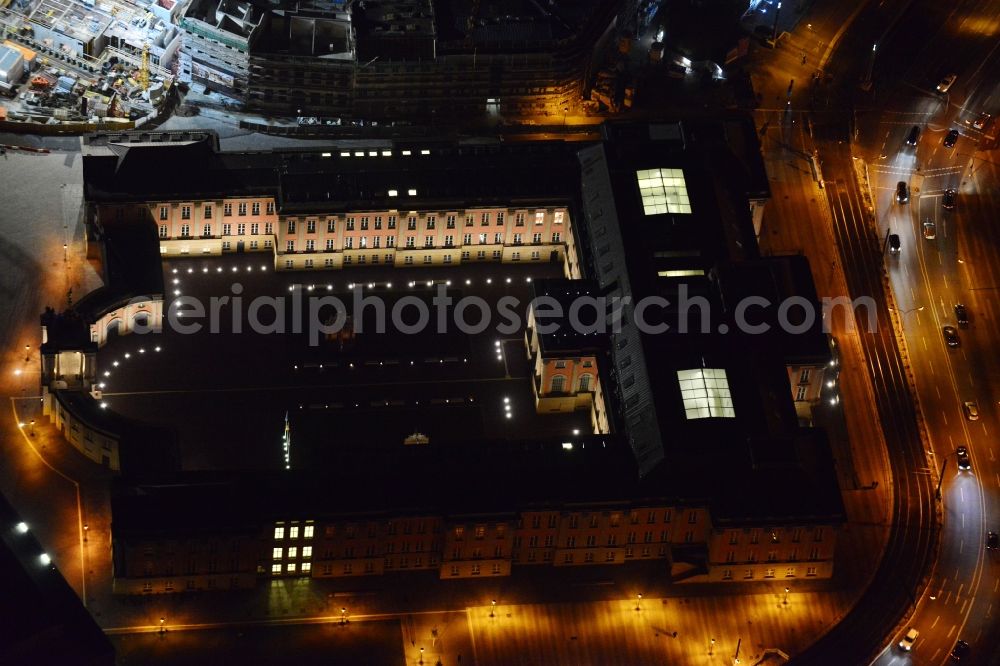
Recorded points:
(21,527)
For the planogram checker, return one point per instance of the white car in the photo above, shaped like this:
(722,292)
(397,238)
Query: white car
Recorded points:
(946,83)
(930,230)
(908,640)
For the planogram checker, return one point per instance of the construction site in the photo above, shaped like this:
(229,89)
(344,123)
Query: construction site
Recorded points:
(71,62)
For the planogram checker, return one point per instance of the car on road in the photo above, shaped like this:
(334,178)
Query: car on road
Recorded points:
(962,456)
(906,644)
(961,314)
(948,200)
(951,139)
(950,336)
(945,84)
(971,410)
(980,121)
(893,243)
(992,541)
(902,192)
(960,651)
(913,136)
(930,230)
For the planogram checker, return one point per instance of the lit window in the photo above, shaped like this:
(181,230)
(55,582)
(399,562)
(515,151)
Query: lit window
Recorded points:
(293,532)
(307,551)
(307,532)
(292,552)
(681,273)
(290,568)
(277,553)
(393,193)
(276,568)
(663,191)
(412,192)
(306,567)
(706,393)
(279,532)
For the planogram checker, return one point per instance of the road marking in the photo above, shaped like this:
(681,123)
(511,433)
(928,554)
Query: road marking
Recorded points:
(951,632)
(961,493)
(934,624)
(945,416)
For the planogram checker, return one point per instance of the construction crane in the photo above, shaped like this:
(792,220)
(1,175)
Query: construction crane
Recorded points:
(142,77)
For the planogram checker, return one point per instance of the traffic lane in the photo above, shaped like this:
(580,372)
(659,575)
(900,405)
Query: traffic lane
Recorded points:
(907,552)
(933,40)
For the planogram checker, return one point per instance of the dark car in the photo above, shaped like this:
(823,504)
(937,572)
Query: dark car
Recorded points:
(950,336)
(902,192)
(948,200)
(961,314)
(960,651)
(893,243)
(913,136)
(962,456)
(951,139)
(992,541)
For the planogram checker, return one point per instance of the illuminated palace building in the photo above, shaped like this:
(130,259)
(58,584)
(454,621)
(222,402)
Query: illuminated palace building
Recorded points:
(692,451)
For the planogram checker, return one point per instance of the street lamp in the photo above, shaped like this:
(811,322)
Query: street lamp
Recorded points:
(32,427)
(343,616)
(27,353)
(711,647)
(86,528)
(903,313)
(638,598)
(421,655)
(785,602)
(162,628)
(493,607)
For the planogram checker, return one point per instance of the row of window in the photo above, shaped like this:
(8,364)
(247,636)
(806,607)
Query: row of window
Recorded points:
(430,221)
(227,210)
(408,260)
(775,537)
(748,574)
(772,555)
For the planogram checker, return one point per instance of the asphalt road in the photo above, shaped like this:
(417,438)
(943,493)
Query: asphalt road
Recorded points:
(918,44)
(959,265)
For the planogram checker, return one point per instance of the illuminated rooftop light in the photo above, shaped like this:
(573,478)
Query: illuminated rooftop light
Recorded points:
(425,152)
(705,392)
(45,559)
(263,267)
(326,154)
(568,446)
(176,281)
(21,527)
(104,405)
(386,153)
(219,269)
(372,153)
(359,153)
(412,192)
(190,270)
(114,363)
(177,292)
(509,415)
(663,191)
(204,270)
(157,348)
(508,280)
(576,431)
(393,193)
(235,269)
(128,355)
(467,281)
(345,153)
(407,152)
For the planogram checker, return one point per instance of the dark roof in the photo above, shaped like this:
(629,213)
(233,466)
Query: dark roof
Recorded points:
(44,621)
(484,478)
(562,332)
(142,448)
(66,331)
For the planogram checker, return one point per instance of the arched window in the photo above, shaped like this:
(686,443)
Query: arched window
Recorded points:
(558,383)
(585,381)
